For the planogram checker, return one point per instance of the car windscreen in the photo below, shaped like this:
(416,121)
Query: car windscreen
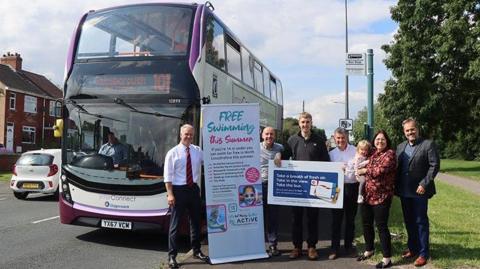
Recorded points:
(35,159)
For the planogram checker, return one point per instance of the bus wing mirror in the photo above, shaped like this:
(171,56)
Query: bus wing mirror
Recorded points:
(58,128)
(58,108)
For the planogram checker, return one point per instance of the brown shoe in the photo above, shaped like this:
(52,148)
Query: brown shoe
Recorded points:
(407,254)
(420,261)
(312,254)
(296,252)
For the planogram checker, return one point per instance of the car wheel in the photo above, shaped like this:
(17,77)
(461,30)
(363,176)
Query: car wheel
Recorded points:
(20,195)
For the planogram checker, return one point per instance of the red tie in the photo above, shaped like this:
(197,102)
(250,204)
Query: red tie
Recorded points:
(189,169)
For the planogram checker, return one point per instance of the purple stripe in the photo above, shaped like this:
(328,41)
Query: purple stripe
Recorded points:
(126,213)
(71,48)
(195,45)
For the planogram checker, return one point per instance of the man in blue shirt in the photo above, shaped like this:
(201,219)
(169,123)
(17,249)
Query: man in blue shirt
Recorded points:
(114,149)
(418,164)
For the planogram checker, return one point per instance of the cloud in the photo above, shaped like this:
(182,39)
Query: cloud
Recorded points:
(328,109)
(302,42)
(305,31)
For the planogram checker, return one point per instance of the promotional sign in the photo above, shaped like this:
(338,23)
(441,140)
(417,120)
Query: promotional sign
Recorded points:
(302,183)
(233,187)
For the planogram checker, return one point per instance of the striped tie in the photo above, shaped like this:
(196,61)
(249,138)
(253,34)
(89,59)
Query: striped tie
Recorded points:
(189,169)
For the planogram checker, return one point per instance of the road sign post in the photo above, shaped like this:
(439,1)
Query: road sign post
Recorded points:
(370,91)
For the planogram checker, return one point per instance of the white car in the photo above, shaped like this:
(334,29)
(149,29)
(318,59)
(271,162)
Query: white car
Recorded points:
(36,171)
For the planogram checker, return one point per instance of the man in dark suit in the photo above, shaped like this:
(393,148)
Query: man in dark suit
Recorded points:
(418,164)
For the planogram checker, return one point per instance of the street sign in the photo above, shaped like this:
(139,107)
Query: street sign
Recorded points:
(356,64)
(346,124)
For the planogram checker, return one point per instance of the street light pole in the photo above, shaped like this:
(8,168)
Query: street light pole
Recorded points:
(346,52)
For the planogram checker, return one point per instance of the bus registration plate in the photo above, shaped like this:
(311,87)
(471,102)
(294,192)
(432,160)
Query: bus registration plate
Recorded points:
(116,224)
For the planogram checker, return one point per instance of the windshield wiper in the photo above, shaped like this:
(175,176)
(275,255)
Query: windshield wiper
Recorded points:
(120,101)
(83,96)
(81,109)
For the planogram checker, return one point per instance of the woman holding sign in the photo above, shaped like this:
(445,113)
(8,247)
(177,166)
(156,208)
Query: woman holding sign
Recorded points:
(379,185)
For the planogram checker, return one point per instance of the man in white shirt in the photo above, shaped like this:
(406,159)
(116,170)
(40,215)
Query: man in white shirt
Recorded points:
(344,152)
(182,173)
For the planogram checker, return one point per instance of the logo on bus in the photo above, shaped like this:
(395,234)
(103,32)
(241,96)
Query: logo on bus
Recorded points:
(110,205)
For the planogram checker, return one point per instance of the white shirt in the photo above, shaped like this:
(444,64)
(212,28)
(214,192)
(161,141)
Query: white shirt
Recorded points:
(344,156)
(175,169)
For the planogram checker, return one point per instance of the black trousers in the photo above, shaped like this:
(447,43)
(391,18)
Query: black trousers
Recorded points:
(349,210)
(380,214)
(297,226)
(270,216)
(186,199)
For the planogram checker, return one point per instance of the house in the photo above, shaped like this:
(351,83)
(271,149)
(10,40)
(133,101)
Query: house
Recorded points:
(27,107)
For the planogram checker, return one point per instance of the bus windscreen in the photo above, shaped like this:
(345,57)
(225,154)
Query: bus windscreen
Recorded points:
(146,30)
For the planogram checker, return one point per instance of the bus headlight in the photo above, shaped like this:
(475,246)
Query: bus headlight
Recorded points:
(63,178)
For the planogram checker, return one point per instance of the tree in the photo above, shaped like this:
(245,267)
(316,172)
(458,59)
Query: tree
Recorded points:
(435,64)
(380,123)
(290,127)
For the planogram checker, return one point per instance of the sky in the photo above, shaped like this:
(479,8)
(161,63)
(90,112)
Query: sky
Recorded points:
(302,42)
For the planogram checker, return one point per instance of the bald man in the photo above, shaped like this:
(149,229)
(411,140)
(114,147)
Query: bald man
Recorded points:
(269,150)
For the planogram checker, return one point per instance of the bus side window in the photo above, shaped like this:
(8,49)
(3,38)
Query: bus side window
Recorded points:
(279,92)
(234,64)
(247,68)
(215,43)
(258,76)
(266,82)
(273,89)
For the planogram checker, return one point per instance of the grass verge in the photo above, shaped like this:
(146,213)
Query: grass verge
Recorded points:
(467,169)
(454,233)
(5,176)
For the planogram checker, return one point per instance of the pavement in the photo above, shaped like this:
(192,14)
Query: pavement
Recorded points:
(285,244)
(469,185)
(282,261)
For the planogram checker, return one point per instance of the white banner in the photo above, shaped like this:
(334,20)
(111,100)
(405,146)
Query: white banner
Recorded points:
(310,184)
(233,186)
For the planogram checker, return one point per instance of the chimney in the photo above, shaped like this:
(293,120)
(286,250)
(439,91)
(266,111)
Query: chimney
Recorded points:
(12,59)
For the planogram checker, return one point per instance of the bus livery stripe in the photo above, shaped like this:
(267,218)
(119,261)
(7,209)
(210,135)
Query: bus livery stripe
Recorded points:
(123,213)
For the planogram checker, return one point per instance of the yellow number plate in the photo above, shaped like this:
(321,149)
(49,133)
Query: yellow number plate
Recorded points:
(30,186)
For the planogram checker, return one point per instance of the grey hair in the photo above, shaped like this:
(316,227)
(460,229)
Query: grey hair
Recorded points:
(186,126)
(341,131)
(408,120)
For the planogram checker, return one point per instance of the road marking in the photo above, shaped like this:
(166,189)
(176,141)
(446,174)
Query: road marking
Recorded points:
(3,198)
(47,219)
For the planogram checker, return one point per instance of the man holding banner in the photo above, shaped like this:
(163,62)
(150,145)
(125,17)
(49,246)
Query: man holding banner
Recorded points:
(344,153)
(306,146)
(269,150)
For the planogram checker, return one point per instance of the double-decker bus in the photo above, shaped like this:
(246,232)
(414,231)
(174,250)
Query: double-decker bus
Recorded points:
(140,72)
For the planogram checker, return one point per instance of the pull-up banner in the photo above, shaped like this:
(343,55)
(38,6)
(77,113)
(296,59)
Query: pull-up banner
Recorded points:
(233,186)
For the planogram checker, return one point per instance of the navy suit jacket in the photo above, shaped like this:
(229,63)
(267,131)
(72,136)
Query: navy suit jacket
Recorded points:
(422,169)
